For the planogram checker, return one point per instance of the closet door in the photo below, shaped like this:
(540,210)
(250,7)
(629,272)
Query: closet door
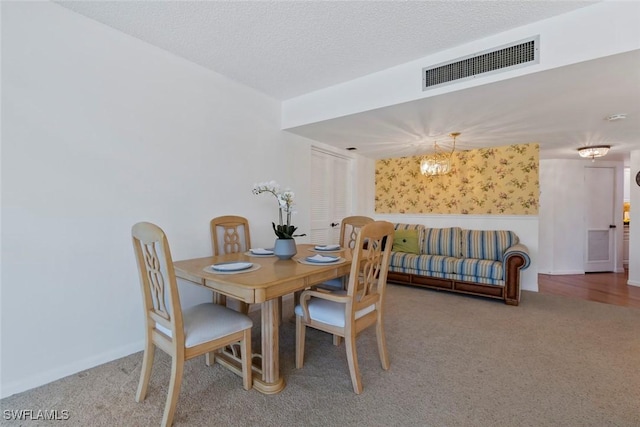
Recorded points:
(599,219)
(331,183)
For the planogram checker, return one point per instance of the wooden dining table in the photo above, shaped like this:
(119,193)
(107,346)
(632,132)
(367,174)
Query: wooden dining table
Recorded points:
(273,279)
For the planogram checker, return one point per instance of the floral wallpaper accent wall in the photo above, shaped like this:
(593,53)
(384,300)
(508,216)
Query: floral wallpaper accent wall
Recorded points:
(497,180)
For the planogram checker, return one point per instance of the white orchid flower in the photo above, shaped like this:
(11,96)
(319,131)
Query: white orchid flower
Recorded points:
(285,206)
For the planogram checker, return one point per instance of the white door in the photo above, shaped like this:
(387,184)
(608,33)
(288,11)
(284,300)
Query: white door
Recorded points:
(599,217)
(330,195)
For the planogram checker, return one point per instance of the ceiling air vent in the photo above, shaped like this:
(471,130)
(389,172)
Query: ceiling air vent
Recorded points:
(508,57)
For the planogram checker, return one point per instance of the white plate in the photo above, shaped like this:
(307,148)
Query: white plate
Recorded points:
(232,266)
(327,247)
(261,251)
(322,259)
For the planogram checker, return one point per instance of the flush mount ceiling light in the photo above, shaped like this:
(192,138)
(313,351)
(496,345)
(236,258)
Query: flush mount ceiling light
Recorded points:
(594,151)
(615,117)
(438,163)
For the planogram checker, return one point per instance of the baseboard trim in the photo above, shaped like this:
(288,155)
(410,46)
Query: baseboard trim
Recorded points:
(54,374)
(633,283)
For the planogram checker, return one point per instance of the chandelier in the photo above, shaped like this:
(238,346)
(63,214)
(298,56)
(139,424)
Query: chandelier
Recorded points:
(438,163)
(594,151)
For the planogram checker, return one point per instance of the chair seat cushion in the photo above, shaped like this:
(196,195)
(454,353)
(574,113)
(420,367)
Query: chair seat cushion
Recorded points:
(207,322)
(330,312)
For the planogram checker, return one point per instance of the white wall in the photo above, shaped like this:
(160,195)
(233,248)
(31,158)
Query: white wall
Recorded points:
(365,177)
(562,201)
(562,221)
(627,185)
(101,130)
(634,223)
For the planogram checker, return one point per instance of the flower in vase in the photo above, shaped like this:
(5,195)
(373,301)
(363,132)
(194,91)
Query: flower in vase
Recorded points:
(284,230)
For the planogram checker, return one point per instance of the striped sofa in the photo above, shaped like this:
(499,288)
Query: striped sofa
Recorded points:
(478,262)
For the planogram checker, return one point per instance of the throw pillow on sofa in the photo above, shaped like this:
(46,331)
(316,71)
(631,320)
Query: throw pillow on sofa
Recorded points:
(487,244)
(406,241)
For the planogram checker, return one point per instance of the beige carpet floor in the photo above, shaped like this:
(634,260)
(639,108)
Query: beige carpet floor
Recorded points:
(455,361)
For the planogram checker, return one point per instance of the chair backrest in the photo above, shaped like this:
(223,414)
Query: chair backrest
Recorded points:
(370,265)
(349,229)
(158,280)
(230,234)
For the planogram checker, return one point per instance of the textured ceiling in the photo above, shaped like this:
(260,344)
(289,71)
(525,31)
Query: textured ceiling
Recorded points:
(287,48)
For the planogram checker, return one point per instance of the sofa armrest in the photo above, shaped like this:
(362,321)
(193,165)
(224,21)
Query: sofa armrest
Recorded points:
(516,258)
(517,249)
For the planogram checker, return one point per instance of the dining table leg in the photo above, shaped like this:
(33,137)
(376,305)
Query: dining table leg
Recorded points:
(271,381)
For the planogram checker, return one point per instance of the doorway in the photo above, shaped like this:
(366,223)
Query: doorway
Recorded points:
(600,219)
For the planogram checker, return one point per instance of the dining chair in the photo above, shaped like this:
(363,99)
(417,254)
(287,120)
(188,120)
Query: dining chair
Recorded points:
(198,330)
(347,313)
(349,229)
(230,234)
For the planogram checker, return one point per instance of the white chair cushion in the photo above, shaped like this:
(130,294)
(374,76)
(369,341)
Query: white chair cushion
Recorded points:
(207,322)
(330,312)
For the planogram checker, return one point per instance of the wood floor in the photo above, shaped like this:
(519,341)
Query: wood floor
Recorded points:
(609,288)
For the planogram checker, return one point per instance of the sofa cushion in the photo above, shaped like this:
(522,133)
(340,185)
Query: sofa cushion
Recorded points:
(476,268)
(487,244)
(422,264)
(406,241)
(442,241)
(436,263)
(403,261)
